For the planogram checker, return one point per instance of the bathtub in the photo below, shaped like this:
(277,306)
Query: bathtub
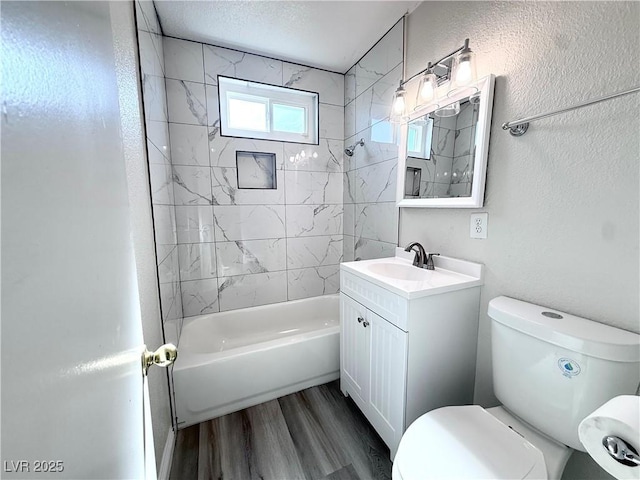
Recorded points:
(233,360)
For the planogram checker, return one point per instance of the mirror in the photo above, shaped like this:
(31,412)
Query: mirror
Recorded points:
(442,161)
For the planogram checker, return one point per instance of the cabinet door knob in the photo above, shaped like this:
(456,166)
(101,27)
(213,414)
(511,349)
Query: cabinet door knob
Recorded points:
(360,319)
(366,324)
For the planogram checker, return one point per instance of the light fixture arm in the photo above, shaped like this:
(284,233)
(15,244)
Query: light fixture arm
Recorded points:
(431,64)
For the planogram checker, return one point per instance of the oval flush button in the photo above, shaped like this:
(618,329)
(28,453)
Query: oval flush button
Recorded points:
(552,315)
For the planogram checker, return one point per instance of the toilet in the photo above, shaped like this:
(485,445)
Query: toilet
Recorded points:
(550,370)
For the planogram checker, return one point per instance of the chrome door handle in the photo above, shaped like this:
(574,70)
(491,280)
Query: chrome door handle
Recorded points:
(365,324)
(162,357)
(360,319)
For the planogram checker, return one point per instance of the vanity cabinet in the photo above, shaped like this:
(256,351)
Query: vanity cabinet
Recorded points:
(402,357)
(373,365)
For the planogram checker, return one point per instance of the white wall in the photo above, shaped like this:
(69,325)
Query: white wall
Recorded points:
(563,199)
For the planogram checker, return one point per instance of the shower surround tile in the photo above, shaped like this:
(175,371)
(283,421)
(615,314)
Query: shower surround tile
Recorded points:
(377,183)
(251,256)
(377,221)
(312,282)
(192,185)
(194,224)
(314,220)
(146,17)
(380,144)
(350,85)
(325,157)
(313,188)
(168,264)
(329,85)
(245,66)
(164,224)
(186,102)
(370,217)
(190,145)
(374,104)
(222,150)
(226,192)
(350,120)
(382,58)
(150,58)
(199,297)
(244,291)
(197,261)
(161,178)
(366,249)
(170,301)
(253,222)
(314,251)
(331,122)
(183,60)
(155,100)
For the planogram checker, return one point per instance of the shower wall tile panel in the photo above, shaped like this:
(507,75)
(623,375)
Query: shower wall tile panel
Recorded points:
(243,240)
(380,60)
(152,65)
(370,218)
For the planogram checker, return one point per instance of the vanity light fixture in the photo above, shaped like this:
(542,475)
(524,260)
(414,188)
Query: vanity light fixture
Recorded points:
(458,68)
(399,105)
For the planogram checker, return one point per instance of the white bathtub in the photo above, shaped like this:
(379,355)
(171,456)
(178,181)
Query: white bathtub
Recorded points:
(233,360)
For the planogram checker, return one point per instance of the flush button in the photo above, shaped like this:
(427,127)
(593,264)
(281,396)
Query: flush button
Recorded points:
(552,315)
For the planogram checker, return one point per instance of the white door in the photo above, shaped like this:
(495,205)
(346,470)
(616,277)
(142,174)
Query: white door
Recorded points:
(72,389)
(354,350)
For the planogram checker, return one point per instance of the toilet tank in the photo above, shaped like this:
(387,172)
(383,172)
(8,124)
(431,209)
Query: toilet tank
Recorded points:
(552,369)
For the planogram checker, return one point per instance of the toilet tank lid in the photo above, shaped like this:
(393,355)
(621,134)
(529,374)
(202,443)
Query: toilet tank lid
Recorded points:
(568,331)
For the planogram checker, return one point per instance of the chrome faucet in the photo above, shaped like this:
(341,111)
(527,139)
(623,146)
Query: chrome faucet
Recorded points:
(421,255)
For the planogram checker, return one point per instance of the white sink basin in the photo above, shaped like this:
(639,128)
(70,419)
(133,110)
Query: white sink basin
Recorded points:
(399,275)
(398,271)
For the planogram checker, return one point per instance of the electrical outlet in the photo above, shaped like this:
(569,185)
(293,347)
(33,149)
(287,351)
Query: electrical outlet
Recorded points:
(479,225)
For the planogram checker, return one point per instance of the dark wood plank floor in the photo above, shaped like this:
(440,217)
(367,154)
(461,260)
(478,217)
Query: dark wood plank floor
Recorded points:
(315,434)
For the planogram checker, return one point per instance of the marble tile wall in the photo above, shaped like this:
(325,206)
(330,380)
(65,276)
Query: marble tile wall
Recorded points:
(163,155)
(237,247)
(450,168)
(369,194)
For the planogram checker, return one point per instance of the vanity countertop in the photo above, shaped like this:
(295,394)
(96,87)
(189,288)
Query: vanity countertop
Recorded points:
(398,274)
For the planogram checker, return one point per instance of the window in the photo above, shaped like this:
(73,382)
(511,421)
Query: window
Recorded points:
(419,138)
(255,110)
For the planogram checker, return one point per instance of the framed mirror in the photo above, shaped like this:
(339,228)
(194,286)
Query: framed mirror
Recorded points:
(442,160)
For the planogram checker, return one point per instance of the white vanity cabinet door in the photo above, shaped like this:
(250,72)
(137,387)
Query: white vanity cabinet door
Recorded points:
(354,351)
(388,374)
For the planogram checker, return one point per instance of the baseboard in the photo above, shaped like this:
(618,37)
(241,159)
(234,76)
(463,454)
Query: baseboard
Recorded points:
(167,456)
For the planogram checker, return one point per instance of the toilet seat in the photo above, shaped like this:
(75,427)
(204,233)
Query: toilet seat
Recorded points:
(465,443)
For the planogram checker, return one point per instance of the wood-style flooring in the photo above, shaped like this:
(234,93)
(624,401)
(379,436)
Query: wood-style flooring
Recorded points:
(315,434)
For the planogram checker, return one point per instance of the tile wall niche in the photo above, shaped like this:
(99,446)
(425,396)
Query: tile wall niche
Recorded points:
(159,151)
(236,247)
(370,212)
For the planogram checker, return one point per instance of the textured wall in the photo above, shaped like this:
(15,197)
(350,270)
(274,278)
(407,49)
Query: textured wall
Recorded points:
(370,213)
(563,199)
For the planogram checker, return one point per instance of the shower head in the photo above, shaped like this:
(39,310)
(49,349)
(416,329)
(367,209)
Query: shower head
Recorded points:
(349,150)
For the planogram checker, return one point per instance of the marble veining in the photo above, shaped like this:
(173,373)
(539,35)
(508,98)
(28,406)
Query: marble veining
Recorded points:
(232,63)
(186,102)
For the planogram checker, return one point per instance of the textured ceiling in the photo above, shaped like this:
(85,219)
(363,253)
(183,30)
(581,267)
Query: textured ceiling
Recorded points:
(326,34)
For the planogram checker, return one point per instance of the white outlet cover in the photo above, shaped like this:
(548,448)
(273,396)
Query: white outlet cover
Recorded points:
(479,225)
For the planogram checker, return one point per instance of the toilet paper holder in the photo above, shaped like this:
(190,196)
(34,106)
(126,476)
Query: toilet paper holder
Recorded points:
(621,451)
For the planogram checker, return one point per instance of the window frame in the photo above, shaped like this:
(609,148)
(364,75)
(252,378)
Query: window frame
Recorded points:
(273,94)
